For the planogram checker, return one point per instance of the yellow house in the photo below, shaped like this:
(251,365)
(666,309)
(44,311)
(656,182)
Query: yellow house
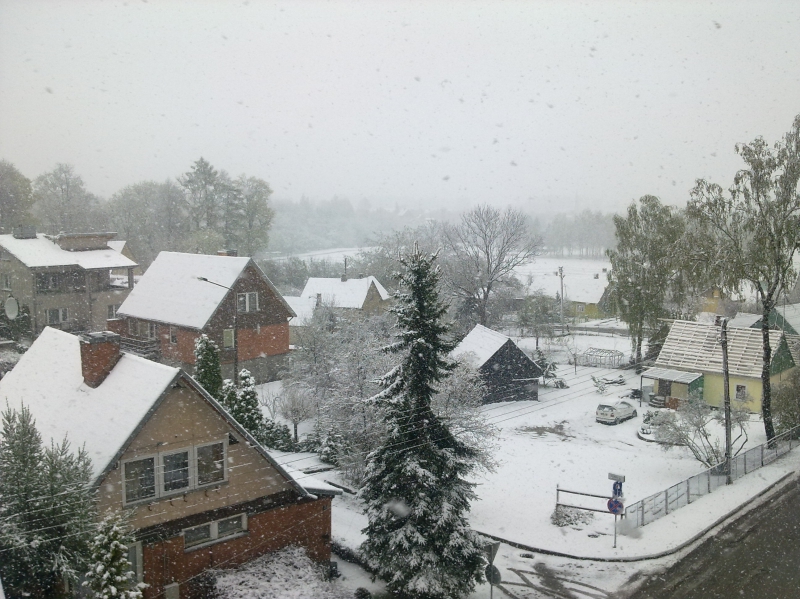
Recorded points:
(693,348)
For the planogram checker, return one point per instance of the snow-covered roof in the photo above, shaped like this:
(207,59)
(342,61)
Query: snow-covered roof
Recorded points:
(170,291)
(694,346)
(41,252)
(479,345)
(744,320)
(791,314)
(48,380)
(580,284)
(117,245)
(342,294)
(313,485)
(676,376)
(303,307)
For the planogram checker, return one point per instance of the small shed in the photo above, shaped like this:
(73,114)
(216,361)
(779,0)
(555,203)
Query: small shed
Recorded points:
(509,374)
(602,358)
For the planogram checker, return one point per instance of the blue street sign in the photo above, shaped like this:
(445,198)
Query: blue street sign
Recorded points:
(617,489)
(615,506)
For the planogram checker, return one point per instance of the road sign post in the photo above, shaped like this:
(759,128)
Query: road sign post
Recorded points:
(615,506)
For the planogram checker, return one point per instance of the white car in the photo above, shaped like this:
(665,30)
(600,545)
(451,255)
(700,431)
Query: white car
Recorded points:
(616,413)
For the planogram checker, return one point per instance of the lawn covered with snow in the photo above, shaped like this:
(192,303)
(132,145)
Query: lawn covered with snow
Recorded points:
(556,441)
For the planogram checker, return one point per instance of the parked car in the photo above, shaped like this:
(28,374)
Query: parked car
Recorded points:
(616,413)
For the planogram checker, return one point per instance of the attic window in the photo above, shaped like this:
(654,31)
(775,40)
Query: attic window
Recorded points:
(140,479)
(247,302)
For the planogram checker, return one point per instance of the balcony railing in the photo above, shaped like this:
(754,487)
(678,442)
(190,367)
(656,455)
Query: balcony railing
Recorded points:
(147,348)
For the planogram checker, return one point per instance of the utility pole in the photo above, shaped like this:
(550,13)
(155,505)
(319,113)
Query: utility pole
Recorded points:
(561,276)
(726,389)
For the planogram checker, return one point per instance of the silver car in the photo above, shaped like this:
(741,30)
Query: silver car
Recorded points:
(616,413)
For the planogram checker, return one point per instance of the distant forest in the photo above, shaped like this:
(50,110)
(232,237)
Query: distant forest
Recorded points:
(206,209)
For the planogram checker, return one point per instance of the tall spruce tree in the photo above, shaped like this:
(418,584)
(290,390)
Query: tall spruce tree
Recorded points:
(207,370)
(110,575)
(415,489)
(46,509)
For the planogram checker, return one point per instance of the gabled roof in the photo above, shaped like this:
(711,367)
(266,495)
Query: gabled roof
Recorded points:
(479,345)
(48,380)
(342,294)
(303,307)
(744,320)
(695,346)
(170,292)
(117,245)
(41,252)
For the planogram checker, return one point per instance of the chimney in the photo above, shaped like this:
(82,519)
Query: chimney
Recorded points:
(319,300)
(99,354)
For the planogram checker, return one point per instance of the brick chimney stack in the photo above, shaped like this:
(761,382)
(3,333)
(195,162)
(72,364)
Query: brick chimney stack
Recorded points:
(99,354)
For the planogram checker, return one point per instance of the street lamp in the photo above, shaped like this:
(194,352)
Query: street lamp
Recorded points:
(235,331)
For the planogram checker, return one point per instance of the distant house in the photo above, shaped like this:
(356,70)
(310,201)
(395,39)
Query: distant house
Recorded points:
(198,490)
(691,361)
(171,307)
(784,318)
(364,293)
(509,374)
(124,248)
(303,307)
(585,290)
(64,281)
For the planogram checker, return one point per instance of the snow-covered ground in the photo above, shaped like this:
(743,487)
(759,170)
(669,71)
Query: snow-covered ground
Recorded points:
(556,441)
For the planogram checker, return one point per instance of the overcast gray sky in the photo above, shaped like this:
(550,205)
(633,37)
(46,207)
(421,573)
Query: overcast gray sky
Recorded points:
(546,105)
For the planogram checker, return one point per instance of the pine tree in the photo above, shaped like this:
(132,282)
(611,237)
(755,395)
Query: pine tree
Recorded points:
(46,509)
(415,491)
(207,370)
(228,395)
(247,411)
(275,436)
(110,575)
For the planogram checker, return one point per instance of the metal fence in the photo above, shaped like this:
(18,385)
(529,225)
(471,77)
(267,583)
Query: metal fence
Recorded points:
(687,491)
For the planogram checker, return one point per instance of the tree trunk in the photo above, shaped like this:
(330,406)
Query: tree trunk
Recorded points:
(766,385)
(296,440)
(638,354)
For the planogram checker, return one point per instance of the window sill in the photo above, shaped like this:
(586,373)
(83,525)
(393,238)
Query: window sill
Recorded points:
(238,535)
(171,496)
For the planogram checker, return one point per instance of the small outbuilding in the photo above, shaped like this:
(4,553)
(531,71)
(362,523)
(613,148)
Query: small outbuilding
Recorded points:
(509,374)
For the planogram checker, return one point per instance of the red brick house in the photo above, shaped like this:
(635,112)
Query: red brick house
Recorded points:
(170,307)
(199,491)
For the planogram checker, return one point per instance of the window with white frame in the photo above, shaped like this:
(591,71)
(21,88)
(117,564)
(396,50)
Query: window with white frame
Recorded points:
(741,392)
(135,560)
(133,327)
(112,310)
(173,335)
(219,530)
(57,315)
(147,330)
(5,281)
(247,302)
(174,471)
(227,338)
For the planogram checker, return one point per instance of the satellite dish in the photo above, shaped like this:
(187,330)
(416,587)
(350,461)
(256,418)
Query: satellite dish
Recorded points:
(11,306)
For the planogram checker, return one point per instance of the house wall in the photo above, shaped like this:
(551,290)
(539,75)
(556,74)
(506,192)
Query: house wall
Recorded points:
(713,390)
(373,303)
(88,307)
(167,561)
(184,419)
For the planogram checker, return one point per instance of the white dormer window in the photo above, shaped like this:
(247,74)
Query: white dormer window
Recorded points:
(247,302)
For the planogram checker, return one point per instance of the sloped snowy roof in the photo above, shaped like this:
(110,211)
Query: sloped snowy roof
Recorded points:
(744,320)
(41,252)
(117,245)
(479,345)
(695,346)
(342,294)
(676,376)
(303,307)
(48,380)
(170,292)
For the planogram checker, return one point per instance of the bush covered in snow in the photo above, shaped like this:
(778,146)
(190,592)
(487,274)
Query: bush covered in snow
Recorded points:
(568,516)
(285,574)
